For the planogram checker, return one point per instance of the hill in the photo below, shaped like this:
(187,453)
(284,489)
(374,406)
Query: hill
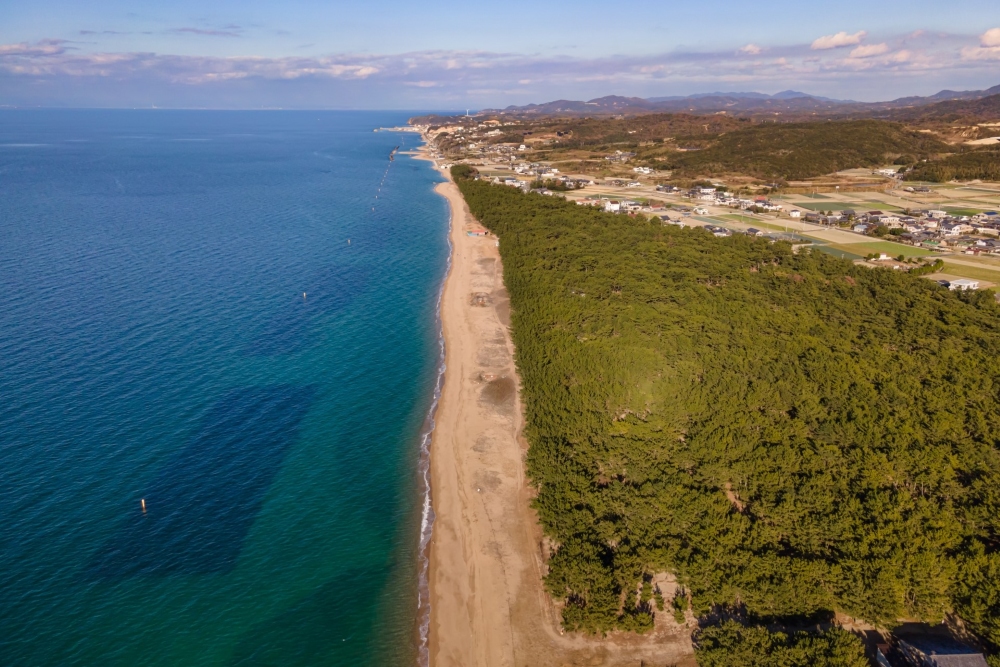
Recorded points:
(982,164)
(795,151)
(744,103)
(985,108)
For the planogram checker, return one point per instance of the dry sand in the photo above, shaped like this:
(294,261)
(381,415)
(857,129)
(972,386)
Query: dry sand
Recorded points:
(488,606)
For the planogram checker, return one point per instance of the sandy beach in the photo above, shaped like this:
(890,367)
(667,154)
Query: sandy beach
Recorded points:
(488,606)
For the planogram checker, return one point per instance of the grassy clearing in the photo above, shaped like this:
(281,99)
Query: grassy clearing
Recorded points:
(962,211)
(972,272)
(841,205)
(838,251)
(756,222)
(988,262)
(888,247)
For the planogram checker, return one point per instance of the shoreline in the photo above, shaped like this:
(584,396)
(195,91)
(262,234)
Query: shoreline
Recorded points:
(486,552)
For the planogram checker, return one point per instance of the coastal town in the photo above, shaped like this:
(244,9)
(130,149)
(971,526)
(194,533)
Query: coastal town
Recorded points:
(869,216)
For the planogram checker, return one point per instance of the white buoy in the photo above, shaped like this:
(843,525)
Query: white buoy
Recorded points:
(143,501)
(303,295)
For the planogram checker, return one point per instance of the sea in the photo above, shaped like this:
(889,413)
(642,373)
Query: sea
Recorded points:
(219,354)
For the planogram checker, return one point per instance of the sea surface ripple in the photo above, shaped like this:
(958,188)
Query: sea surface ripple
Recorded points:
(212,313)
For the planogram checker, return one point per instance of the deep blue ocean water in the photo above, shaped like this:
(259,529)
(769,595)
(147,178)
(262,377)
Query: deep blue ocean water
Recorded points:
(183,320)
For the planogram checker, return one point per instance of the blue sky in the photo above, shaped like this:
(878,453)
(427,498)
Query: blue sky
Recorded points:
(436,55)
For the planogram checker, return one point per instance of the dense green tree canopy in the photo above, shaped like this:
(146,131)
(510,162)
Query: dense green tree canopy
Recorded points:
(795,151)
(983,164)
(733,645)
(786,432)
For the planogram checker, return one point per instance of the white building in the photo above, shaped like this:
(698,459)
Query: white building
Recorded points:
(963,284)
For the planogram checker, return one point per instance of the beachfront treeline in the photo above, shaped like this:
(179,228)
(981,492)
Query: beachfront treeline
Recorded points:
(787,433)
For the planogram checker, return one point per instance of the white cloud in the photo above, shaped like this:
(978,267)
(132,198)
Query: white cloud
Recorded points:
(456,75)
(46,47)
(981,53)
(990,38)
(869,50)
(838,40)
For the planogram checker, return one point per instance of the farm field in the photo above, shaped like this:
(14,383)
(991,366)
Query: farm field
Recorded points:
(888,247)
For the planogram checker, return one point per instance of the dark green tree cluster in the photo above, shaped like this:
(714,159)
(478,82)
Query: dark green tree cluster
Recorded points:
(733,645)
(794,151)
(931,267)
(787,432)
(983,164)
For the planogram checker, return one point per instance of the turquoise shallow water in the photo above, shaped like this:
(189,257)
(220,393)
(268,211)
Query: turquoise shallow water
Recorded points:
(155,344)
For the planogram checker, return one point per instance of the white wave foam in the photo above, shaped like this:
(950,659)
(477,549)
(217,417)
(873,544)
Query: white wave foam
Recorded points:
(427,513)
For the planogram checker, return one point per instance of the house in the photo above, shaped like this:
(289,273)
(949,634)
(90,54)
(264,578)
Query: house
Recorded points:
(962,284)
(932,650)
(613,206)
(718,231)
(754,232)
(700,210)
(795,214)
(860,228)
(955,229)
(935,213)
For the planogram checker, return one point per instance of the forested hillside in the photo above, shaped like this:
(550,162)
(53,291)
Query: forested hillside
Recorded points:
(787,433)
(983,164)
(796,151)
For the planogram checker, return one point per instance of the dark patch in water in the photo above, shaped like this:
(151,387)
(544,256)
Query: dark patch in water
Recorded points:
(200,507)
(327,292)
(332,626)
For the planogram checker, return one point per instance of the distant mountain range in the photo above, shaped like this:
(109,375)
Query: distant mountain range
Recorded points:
(788,101)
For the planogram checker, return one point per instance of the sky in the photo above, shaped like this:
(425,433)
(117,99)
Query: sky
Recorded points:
(438,55)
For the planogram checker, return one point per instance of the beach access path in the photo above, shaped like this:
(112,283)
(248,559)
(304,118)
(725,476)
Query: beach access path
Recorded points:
(488,605)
